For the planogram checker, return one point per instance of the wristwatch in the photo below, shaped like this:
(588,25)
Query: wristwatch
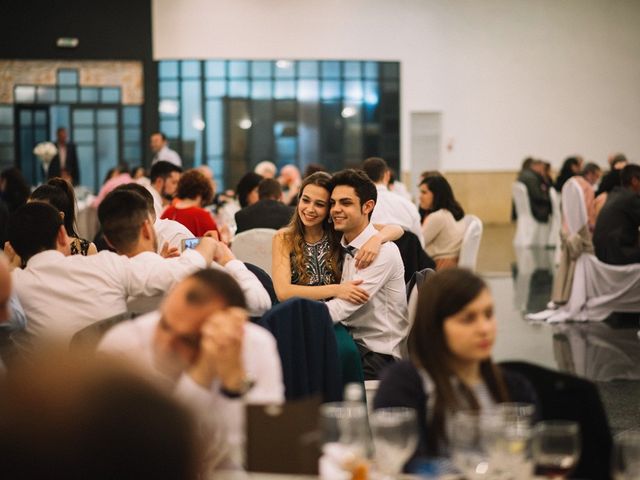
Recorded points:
(246,385)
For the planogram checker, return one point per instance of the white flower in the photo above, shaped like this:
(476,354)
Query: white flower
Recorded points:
(45,151)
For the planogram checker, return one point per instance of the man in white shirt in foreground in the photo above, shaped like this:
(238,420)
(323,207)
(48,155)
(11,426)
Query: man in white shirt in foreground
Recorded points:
(391,207)
(201,346)
(136,239)
(62,294)
(380,325)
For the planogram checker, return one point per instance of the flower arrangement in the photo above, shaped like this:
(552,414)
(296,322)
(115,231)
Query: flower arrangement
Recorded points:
(45,151)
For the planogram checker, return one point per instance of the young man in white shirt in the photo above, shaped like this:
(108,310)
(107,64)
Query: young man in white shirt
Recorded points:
(161,151)
(136,239)
(62,294)
(380,325)
(163,184)
(201,346)
(391,207)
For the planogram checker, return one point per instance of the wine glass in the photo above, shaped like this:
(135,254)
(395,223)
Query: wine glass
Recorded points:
(395,438)
(556,448)
(626,455)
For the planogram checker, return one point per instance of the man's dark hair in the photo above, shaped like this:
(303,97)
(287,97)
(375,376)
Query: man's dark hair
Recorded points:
(163,169)
(121,215)
(269,188)
(216,283)
(590,168)
(164,137)
(628,173)
(375,168)
(140,190)
(33,228)
(618,158)
(248,182)
(365,189)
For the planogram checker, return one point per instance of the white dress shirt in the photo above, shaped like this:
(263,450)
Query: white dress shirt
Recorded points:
(391,208)
(61,295)
(257,298)
(167,155)
(133,340)
(172,232)
(380,324)
(157,199)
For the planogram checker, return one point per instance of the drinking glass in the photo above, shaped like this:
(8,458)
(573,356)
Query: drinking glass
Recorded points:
(506,431)
(469,450)
(345,423)
(626,456)
(556,448)
(395,437)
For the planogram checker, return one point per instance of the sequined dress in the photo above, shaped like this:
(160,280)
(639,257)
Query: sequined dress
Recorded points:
(316,261)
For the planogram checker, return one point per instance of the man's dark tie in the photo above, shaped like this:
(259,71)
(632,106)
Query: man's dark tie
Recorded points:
(349,250)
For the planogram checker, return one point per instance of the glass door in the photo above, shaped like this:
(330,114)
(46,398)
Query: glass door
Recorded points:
(32,127)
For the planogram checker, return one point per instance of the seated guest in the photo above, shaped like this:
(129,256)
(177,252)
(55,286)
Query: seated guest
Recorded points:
(442,227)
(533,176)
(62,294)
(163,184)
(119,177)
(12,317)
(266,169)
(587,180)
(379,325)
(570,167)
(59,193)
(615,237)
(169,233)
(201,345)
(125,237)
(99,421)
(450,368)
(194,192)
(611,179)
(391,207)
(268,212)
(14,190)
(290,179)
(247,189)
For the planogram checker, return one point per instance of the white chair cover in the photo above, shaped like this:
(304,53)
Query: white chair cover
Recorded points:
(529,232)
(468,257)
(555,221)
(598,289)
(254,246)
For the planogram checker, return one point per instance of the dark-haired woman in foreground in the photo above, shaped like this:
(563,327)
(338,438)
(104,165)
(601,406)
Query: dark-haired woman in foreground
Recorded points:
(450,369)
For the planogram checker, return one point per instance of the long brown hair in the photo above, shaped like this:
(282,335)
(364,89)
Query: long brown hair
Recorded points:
(294,233)
(441,295)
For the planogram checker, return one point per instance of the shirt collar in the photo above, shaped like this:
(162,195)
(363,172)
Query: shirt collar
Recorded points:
(44,257)
(361,239)
(380,186)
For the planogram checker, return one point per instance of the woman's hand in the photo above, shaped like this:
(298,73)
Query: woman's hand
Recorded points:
(369,251)
(351,292)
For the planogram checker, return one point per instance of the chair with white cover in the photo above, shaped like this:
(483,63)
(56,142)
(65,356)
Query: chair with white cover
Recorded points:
(598,289)
(254,246)
(529,231)
(468,257)
(555,220)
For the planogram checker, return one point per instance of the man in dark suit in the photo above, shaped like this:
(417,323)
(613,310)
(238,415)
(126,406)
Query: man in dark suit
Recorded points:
(615,236)
(65,163)
(268,212)
(532,175)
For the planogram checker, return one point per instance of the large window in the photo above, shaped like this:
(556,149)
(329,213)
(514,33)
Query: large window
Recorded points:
(232,114)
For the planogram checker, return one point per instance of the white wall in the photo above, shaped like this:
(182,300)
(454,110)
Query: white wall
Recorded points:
(512,77)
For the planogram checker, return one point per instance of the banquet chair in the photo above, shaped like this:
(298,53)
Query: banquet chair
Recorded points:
(265,280)
(555,220)
(254,246)
(308,349)
(529,231)
(597,288)
(414,258)
(468,257)
(567,397)
(88,338)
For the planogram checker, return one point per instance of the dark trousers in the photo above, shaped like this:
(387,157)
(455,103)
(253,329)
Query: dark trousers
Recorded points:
(373,362)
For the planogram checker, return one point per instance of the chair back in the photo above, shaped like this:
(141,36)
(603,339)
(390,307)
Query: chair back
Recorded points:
(254,246)
(574,209)
(529,232)
(88,338)
(468,257)
(265,280)
(555,220)
(308,350)
(566,397)
(414,258)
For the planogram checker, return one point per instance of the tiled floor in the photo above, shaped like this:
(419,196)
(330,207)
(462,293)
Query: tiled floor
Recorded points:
(605,352)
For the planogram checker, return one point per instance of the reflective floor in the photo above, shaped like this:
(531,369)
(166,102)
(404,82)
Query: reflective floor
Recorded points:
(607,353)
